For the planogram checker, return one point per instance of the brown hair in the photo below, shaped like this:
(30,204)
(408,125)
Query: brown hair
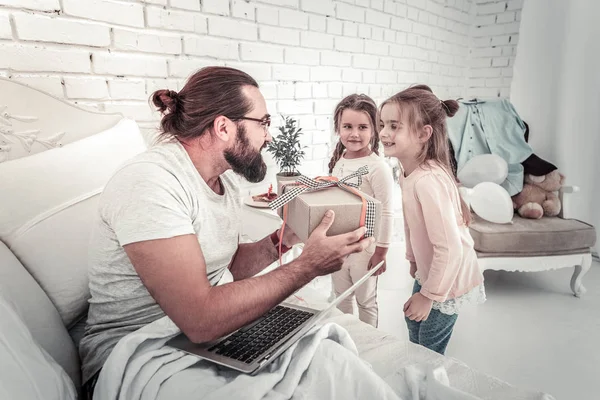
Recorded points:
(356,102)
(424,108)
(208,93)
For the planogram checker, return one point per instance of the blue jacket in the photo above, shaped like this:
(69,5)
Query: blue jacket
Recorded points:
(490,127)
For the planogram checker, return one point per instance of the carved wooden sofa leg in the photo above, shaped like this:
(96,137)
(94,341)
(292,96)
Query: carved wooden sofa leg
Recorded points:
(580,270)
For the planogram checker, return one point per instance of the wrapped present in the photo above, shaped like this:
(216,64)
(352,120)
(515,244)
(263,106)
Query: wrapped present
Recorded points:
(303,204)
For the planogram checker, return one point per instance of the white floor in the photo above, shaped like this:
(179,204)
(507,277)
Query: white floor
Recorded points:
(531,332)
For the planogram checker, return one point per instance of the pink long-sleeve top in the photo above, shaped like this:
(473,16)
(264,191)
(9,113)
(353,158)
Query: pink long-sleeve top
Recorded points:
(437,239)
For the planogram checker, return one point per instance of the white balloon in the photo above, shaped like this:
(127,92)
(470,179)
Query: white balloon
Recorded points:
(492,202)
(466,194)
(483,168)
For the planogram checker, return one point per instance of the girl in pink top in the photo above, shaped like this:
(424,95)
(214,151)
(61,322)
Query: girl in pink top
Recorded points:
(439,246)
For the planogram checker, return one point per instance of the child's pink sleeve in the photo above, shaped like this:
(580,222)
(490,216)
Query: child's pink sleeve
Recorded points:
(410,256)
(442,229)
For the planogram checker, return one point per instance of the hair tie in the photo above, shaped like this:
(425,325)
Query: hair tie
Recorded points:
(170,99)
(445,106)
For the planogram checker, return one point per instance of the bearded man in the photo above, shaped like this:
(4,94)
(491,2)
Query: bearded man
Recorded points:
(168,225)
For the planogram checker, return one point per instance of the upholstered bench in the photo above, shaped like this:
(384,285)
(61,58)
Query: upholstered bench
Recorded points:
(535,245)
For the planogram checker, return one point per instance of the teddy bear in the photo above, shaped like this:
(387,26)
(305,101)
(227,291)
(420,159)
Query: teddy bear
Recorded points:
(539,197)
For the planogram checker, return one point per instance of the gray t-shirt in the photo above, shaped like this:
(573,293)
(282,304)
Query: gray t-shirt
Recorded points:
(158,194)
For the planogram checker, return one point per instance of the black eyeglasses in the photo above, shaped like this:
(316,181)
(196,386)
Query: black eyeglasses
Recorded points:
(265,122)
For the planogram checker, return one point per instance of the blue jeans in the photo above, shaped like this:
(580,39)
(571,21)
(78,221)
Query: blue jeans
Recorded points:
(433,333)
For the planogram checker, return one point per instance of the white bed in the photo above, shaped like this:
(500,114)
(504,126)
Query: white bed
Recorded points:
(33,122)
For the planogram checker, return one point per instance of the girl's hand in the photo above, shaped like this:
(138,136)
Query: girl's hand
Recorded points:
(413,269)
(418,307)
(377,257)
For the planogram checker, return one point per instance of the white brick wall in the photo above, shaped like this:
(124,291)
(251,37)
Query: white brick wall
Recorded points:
(5,29)
(59,30)
(115,12)
(110,55)
(127,89)
(40,5)
(49,84)
(177,20)
(129,40)
(86,88)
(494,38)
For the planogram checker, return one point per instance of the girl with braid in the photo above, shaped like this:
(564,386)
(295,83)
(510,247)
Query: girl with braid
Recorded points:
(355,121)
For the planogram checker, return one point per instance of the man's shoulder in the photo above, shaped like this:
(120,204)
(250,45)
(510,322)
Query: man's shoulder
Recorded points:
(146,175)
(158,161)
(166,155)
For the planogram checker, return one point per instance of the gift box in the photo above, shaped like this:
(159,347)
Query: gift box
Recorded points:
(308,200)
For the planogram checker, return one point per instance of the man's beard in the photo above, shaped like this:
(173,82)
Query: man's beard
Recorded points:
(244,160)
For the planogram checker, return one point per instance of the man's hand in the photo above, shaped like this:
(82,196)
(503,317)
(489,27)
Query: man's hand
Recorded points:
(413,269)
(418,307)
(377,257)
(324,254)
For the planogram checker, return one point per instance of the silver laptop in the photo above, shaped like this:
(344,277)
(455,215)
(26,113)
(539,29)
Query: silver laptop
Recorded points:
(254,346)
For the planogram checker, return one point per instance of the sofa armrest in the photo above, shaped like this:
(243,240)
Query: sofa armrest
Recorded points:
(564,199)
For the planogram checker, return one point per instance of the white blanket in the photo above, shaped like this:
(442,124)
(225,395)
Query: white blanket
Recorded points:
(324,364)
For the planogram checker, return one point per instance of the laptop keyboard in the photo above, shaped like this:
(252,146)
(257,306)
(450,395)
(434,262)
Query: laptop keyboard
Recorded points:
(252,340)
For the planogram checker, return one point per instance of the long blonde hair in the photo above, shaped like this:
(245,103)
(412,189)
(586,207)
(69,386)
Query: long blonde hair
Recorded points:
(356,102)
(424,108)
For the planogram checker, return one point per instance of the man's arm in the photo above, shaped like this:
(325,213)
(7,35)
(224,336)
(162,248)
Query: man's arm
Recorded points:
(174,272)
(251,258)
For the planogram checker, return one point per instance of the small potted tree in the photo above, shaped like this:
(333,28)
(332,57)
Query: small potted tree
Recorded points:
(287,151)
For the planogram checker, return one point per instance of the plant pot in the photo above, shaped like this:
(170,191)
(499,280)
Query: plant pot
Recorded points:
(282,179)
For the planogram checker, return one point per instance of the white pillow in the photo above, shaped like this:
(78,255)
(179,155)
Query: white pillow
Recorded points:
(38,313)
(26,370)
(50,203)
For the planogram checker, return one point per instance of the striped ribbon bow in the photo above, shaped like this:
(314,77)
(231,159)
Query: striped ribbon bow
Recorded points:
(305,184)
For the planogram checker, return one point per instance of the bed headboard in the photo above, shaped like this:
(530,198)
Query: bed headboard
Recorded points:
(32,121)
